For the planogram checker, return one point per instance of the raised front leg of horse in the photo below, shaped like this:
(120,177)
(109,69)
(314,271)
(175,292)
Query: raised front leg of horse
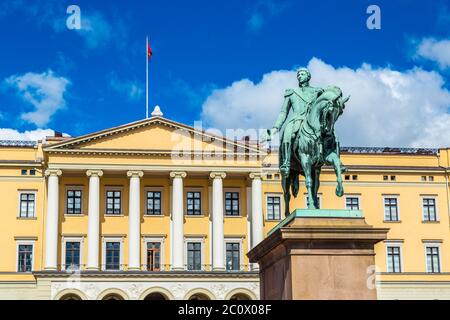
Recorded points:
(307,169)
(333,159)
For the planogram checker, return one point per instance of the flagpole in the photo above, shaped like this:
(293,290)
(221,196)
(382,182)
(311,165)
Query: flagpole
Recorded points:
(146,77)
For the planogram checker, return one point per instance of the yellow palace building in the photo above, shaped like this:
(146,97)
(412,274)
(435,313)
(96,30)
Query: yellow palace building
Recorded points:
(155,209)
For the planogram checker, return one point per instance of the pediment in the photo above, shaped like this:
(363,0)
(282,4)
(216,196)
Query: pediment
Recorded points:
(153,135)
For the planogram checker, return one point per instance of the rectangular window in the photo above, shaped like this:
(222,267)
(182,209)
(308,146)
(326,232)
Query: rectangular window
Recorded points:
(194,203)
(73,255)
(429,209)
(393,259)
(25,258)
(113,201)
(390,209)
(194,256)
(27,204)
(73,202)
(352,203)
(153,256)
(233,256)
(273,208)
(433,263)
(231,203)
(153,203)
(112,256)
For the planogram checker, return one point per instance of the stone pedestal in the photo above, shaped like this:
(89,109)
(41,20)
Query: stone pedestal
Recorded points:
(319,254)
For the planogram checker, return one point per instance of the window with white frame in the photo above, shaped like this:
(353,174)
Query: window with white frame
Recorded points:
(112,254)
(433,258)
(25,256)
(394,258)
(27,204)
(273,207)
(232,203)
(154,254)
(319,200)
(72,255)
(352,203)
(429,209)
(194,255)
(391,212)
(113,201)
(194,203)
(74,200)
(154,202)
(233,256)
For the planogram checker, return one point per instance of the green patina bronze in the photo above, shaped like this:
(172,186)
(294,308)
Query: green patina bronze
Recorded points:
(314,213)
(307,137)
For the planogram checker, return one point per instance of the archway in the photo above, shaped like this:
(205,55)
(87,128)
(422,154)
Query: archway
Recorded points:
(241,294)
(70,294)
(112,294)
(156,296)
(156,293)
(199,296)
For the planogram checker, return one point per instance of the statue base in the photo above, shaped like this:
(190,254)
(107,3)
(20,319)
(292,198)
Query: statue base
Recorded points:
(319,254)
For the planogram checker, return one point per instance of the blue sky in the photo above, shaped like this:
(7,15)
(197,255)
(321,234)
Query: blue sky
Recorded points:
(208,55)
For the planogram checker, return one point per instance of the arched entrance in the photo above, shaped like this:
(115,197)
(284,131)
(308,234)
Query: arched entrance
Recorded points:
(70,296)
(240,296)
(199,296)
(156,296)
(113,296)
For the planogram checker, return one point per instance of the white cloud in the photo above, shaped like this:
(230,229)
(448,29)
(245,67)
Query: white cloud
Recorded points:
(32,135)
(387,107)
(131,88)
(435,50)
(45,91)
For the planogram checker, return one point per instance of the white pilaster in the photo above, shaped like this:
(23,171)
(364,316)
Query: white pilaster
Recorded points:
(217,221)
(257,214)
(177,220)
(52,220)
(134,221)
(94,219)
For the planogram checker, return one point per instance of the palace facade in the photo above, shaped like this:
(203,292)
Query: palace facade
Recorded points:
(155,209)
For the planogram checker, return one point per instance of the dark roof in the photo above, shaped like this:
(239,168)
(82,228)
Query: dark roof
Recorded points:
(384,150)
(18,143)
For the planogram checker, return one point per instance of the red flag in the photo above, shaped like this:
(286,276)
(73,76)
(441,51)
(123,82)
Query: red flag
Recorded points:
(149,51)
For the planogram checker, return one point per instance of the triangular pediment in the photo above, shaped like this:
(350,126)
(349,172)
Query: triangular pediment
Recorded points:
(155,134)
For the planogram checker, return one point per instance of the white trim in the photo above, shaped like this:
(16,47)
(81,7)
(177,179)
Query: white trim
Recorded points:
(25,191)
(112,239)
(113,188)
(202,248)
(274,194)
(232,189)
(63,250)
(240,241)
(427,244)
(435,197)
(393,196)
(202,198)
(163,207)
(73,187)
(159,239)
(352,195)
(25,242)
(394,243)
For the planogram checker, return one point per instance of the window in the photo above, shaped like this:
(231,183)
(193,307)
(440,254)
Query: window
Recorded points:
(113,202)
(354,177)
(347,177)
(112,256)
(23,172)
(153,256)
(153,203)
(352,203)
(231,203)
(431,178)
(393,178)
(429,209)
(433,260)
(385,178)
(233,254)
(27,204)
(390,209)
(194,256)
(269,177)
(424,178)
(73,205)
(72,255)
(273,208)
(32,172)
(25,258)
(393,259)
(194,203)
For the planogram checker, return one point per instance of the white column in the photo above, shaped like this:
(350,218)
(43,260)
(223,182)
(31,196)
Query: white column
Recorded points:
(51,234)
(93,219)
(177,220)
(257,214)
(134,221)
(217,221)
